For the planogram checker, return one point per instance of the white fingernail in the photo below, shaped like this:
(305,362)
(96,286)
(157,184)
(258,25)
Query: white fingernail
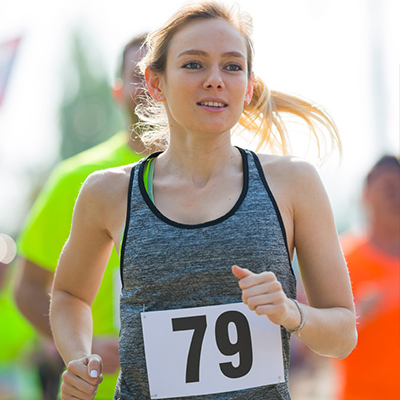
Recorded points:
(93,374)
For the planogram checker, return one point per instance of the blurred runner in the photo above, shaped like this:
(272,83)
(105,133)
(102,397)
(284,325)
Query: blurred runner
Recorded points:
(47,228)
(372,370)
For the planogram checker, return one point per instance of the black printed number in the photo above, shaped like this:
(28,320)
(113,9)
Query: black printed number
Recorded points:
(199,324)
(243,345)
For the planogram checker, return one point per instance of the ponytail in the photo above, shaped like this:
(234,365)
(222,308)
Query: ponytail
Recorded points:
(264,117)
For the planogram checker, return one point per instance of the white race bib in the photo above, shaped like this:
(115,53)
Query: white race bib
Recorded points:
(205,350)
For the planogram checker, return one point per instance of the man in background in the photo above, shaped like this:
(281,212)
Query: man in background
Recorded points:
(48,225)
(371,371)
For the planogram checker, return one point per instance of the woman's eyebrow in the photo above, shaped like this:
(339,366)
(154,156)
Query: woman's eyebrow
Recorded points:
(194,52)
(233,54)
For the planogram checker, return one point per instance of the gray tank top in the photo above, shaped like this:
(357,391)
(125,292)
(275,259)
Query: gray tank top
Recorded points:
(167,265)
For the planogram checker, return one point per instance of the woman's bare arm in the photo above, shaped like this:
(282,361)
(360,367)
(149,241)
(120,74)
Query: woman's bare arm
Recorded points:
(78,276)
(331,326)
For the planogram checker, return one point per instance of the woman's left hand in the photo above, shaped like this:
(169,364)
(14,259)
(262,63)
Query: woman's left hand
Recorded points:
(264,295)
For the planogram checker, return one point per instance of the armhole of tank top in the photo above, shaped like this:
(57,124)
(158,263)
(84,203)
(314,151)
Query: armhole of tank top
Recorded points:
(126,227)
(148,173)
(274,203)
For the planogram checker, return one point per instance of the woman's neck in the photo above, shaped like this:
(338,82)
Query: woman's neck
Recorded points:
(199,159)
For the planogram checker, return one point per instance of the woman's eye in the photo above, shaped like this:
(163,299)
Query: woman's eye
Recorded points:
(192,65)
(234,67)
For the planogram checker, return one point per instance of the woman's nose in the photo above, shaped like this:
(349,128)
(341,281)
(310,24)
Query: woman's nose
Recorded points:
(214,79)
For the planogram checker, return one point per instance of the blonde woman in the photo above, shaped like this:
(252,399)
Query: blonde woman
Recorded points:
(209,230)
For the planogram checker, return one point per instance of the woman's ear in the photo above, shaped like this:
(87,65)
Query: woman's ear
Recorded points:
(153,82)
(250,88)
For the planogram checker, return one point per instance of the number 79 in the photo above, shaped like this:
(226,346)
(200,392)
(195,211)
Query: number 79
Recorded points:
(243,345)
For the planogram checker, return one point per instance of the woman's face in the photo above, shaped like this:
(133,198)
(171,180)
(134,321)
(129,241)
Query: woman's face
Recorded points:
(206,78)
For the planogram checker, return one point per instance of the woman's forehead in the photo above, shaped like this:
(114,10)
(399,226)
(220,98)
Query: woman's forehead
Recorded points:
(208,35)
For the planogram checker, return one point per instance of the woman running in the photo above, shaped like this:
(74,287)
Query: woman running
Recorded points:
(209,231)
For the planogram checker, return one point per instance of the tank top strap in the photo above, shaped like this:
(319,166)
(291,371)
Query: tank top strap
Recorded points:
(256,167)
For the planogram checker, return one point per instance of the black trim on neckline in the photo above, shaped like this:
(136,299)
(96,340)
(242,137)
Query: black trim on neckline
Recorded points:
(165,219)
(127,220)
(274,203)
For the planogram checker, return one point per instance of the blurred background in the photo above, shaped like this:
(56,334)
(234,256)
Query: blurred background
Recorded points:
(59,58)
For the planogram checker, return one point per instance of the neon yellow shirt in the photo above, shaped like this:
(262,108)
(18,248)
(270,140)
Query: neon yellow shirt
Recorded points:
(18,380)
(48,226)
(16,334)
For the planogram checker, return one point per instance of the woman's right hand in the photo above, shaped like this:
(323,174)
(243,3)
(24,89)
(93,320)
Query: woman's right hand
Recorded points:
(81,378)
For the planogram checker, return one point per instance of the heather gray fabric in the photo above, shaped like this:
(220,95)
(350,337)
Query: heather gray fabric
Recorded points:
(166,265)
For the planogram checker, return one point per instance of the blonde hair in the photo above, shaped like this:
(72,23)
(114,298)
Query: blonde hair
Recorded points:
(263,117)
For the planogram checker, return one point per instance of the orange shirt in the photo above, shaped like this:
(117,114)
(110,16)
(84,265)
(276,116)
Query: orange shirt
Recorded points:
(372,370)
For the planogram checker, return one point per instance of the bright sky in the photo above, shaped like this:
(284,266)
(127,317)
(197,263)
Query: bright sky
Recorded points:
(342,54)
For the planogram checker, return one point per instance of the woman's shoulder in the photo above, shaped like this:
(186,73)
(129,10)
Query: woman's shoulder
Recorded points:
(293,180)
(107,185)
(297,187)
(288,167)
(103,197)
(110,178)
